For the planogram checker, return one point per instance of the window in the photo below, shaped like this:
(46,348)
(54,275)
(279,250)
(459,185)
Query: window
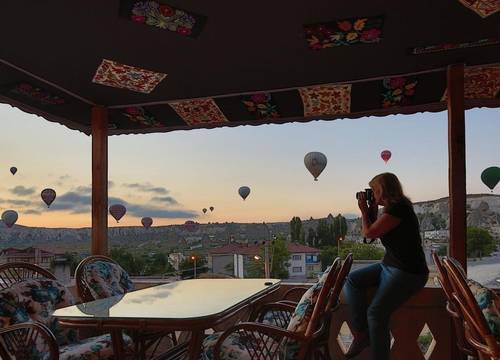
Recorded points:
(297,269)
(310,267)
(296,257)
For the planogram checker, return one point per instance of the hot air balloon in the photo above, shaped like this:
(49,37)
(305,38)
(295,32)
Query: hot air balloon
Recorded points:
(48,196)
(13,170)
(190,225)
(315,162)
(491,176)
(204,210)
(9,218)
(244,191)
(117,211)
(147,222)
(211,208)
(385,155)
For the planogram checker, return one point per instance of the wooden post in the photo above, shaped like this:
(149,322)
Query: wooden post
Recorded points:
(456,164)
(99,181)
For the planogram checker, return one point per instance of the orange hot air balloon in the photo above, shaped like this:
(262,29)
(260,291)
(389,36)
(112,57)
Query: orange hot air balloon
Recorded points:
(204,210)
(211,208)
(117,211)
(147,222)
(385,155)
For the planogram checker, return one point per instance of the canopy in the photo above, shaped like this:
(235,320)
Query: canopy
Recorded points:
(183,64)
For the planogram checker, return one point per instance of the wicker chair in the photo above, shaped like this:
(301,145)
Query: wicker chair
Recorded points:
(477,331)
(28,295)
(256,340)
(91,288)
(28,341)
(453,310)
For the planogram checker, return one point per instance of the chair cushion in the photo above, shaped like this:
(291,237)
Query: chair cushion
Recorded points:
(36,300)
(489,303)
(106,279)
(95,348)
(236,347)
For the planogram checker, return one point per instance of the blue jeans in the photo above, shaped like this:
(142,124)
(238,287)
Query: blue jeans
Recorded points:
(394,287)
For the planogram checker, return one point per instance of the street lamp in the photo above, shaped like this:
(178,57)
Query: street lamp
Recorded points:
(194,265)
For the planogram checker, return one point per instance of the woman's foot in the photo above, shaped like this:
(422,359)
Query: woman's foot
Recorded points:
(360,342)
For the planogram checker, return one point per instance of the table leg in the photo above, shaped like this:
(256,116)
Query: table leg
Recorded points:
(195,344)
(117,338)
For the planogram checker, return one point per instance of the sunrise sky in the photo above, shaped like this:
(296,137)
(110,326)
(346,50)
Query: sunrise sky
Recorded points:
(172,176)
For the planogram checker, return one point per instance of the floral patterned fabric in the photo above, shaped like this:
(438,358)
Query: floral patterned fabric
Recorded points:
(114,74)
(454,46)
(344,32)
(234,347)
(261,106)
(37,94)
(199,111)
(398,91)
(106,279)
(483,8)
(489,303)
(163,16)
(141,116)
(95,348)
(36,300)
(480,83)
(326,99)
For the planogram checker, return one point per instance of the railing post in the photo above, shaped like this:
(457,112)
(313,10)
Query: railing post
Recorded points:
(99,123)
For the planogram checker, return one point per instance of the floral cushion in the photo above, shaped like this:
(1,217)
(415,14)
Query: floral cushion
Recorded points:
(489,303)
(236,346)
(95,348)
(106,279)
(36,300)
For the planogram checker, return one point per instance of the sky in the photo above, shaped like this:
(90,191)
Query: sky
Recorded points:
(171,177)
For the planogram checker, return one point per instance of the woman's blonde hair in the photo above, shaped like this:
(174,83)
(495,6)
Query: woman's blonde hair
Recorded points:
(392,191)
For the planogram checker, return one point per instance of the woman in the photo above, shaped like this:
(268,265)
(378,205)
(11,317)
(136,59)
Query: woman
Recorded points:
(402,272)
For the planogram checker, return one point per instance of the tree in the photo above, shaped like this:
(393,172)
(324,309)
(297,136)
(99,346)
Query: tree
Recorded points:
(359,252)
(311,237)
(296,230)
(479,242)
(324,236)
(73,261)
(278,261)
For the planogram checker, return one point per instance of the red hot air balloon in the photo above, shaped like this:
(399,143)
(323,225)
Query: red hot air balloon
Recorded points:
(211,208)
(117,211)
(190,225)
(48,196)
(147,222)
(13,170)
(204,210)
(385,155)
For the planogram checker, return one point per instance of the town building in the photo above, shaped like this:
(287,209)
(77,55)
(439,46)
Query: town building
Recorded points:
(234,259)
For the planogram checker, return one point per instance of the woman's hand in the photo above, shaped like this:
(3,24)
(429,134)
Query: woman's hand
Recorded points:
(363,206)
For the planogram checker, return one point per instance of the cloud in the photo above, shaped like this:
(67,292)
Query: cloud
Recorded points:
(77,203)
(141,211)
(84,189)
(165,199)
(111,184)
(64,177)
(22,191)
(32,212)
(19,202)
(147,188)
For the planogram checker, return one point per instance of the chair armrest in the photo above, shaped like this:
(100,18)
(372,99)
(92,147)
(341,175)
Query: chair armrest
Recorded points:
(295,293)
(19,341)
(258,332)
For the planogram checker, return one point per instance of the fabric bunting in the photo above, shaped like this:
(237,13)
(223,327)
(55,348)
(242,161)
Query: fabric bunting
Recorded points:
(483,8)
(111,73)
(163,16)
(141,116)
(449,46)
(398,91)
(199,111)
(261,106)
(326,99)
(480,83)
(344,32)
(37,94)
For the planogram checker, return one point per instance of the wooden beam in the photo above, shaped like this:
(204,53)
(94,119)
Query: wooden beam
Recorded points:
(456,164)
(99,181)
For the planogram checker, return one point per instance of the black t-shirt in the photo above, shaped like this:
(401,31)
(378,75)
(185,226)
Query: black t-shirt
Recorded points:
(403,245)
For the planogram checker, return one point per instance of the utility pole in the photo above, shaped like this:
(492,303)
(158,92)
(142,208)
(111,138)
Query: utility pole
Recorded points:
(266,260)
(194,262)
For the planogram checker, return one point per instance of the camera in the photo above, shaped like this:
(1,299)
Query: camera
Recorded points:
(368,195)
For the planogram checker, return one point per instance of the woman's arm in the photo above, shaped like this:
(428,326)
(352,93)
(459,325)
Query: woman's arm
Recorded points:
(380,227)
